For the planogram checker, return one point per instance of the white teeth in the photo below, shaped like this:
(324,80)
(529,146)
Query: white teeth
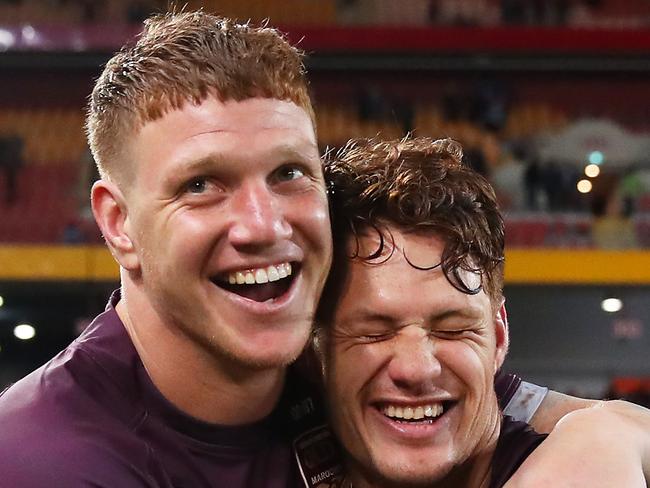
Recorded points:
(260,275)
(239,278)
(418,413)
(410,413)
(272,273)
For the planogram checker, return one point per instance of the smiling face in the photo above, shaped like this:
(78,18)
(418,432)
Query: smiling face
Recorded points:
(410,366)
(228,217)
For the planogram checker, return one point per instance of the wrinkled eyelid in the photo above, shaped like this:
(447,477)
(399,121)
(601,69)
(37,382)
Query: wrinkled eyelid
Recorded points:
(377,337)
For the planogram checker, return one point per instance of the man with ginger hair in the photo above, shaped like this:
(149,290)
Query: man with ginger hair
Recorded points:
(212,200)
(414,331)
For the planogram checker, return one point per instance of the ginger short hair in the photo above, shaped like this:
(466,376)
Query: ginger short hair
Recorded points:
(416,185)
(186,57)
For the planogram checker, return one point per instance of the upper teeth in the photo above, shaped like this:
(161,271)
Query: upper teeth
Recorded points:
(416,413)
(260,275)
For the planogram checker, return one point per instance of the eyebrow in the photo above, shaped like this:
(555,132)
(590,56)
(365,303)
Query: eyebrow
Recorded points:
(202,164)
(301,151)
(286,151)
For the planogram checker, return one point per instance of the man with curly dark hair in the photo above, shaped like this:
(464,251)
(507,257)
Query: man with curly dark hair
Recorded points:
(413,322)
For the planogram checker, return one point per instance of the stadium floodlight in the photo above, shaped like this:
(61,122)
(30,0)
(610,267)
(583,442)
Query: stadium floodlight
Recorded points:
(612,305)
(24,332)
(584,186)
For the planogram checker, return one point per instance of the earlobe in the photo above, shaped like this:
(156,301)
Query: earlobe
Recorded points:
(502,336)
(110,211)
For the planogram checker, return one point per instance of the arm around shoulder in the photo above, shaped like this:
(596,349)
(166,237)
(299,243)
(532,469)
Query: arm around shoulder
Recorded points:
(604,445)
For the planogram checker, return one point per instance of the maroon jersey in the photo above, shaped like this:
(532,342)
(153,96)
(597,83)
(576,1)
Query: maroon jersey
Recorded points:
(516,441)
(92,417)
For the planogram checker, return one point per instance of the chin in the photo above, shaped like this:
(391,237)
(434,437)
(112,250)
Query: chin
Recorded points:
(276,352)
(406,476)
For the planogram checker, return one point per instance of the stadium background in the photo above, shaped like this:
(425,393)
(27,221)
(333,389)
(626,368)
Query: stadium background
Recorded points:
(550,99)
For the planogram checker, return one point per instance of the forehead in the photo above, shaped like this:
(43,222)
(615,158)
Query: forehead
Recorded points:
(249,127)
(246,116)
(392,284)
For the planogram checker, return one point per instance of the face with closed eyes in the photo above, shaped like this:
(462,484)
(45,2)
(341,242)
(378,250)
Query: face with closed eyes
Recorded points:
(410,362)
(228,216)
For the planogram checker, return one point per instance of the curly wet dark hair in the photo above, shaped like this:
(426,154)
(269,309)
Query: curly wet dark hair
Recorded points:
(416,185)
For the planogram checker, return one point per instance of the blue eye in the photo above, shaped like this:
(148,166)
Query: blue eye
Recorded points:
(288,173)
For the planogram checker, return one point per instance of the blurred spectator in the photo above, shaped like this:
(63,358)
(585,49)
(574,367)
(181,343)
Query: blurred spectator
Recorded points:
(553,185)
(630,188)
(475,159)
(456,104)
(533,184)
(371,104)
(507,178)
(11,161)
(612,229)
(491,100)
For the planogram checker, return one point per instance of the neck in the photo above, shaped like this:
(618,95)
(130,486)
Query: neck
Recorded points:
(190,376)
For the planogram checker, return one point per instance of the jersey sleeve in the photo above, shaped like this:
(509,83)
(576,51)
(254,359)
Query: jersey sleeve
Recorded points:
(518,399)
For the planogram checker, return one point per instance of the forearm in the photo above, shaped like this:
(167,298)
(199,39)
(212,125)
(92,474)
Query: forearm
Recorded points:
(554,407)
(637,420)
(600,447)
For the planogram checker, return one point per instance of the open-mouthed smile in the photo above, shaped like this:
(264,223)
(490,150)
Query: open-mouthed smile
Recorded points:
(260,284)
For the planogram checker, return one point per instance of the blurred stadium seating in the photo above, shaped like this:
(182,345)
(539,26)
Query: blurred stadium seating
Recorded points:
(502,77)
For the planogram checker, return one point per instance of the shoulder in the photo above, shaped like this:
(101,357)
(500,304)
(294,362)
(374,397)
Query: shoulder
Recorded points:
(70,459)
(601,446)
(68,424)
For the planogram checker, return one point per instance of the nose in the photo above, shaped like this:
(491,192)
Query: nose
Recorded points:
(258,218)
(414,365)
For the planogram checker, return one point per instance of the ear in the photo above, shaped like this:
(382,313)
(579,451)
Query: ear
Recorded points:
(111,214)
(501,333)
